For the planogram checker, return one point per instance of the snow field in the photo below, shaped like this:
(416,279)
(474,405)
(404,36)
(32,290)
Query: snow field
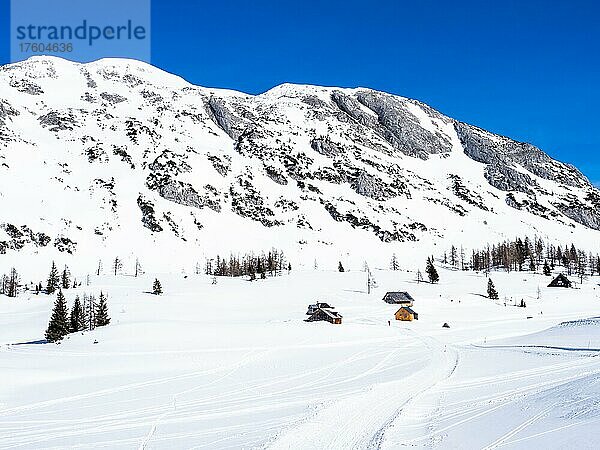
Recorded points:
(234,365)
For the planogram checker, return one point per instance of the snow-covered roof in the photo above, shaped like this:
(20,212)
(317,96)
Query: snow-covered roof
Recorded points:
(397,297)
(407,308)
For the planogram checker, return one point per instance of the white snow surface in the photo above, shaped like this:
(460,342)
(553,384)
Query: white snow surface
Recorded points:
(234,365)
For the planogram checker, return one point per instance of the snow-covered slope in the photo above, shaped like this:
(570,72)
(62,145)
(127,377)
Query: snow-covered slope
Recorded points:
(118,157)
(211,366)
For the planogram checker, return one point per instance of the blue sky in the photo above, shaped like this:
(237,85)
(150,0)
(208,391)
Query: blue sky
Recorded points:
(526,69)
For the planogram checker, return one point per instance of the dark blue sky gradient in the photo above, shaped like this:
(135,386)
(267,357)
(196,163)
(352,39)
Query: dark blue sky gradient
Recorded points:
(526,69)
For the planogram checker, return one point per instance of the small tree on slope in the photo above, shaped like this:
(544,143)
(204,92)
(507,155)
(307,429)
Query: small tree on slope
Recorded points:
(53,280)
(340,267)
(156,287)
(58,327)
(547,271)
(432,273)
(65,278)
(394,263)
(77,319)
(102,318)
(491,290)
(12,288)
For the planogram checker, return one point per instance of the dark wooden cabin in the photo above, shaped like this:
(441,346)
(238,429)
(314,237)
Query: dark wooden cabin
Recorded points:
(325,315)
(561,281)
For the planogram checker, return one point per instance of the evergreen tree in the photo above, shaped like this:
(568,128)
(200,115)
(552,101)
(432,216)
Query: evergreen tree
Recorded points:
(65,278)
(102,318)
(432,273)
(58,327)
(77,321)
(531,265)
(90,312)
(547,270)
(491,290)
(156,287)
(53,280)
(340,267)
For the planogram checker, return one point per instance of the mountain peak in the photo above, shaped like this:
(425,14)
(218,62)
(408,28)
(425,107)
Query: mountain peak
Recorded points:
(117,148)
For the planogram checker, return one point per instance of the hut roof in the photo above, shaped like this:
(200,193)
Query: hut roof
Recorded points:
(332,314)
(407,308)
(397,297)
(560,281)
(320,305)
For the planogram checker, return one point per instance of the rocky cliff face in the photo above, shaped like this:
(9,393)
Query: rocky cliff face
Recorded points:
(93,153)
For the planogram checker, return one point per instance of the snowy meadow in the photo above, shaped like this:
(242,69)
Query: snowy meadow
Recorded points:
(235,365)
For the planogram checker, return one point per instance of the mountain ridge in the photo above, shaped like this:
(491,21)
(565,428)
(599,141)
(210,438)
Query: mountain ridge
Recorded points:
(124,155)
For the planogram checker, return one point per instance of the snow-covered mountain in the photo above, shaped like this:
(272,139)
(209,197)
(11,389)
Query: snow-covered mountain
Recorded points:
(119,157)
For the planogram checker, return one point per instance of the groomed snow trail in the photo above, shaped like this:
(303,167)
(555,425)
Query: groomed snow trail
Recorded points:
(359,420)
(513,408)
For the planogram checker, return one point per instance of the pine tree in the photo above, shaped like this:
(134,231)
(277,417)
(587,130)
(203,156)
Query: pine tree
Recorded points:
(531,265)
(432,273)
(77,321)
(65,278)
(547,270)
(340,267)
(156,287)
(53,280)
(102,318)
(90,311)
(491,290)
(58,327)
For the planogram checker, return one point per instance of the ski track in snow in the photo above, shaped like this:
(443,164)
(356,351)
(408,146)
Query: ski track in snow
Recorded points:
(279,385)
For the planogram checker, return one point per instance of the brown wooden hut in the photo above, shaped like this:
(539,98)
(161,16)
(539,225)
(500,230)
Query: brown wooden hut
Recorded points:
(406,314)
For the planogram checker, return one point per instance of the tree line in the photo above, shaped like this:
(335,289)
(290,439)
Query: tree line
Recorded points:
(10,284)
(272,263)
(522,254)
